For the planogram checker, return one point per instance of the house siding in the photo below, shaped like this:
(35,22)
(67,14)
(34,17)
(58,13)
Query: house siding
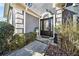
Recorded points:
(19,21)
(31,23)
(27,23)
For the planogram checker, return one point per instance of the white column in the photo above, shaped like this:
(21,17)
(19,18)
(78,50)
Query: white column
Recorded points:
(39,26)
(75,21)
(10,17)
(14,19)
(59,16)
(24,22)
(54,24)
(54,20)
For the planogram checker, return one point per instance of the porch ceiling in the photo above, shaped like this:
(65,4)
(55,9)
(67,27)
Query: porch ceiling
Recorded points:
(33,13)
(28,10)
(20,6)
(41,8)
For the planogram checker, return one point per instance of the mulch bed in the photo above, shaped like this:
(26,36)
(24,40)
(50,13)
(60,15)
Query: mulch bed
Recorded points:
(55,51)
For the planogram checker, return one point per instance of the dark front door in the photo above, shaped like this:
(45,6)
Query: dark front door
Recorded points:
(46,27)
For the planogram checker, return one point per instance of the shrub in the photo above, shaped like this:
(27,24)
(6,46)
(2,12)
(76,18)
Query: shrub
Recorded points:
(6,33)
(69,37)
(29,37)
(12,46)
(20,40)
(17,42)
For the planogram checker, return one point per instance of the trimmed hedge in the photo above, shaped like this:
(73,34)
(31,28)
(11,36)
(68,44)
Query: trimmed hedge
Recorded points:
(9,42)
(29,37)
(6,33)
(20,40)
(17,42)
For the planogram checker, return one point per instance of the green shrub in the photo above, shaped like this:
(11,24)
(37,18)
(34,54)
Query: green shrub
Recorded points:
(27,38)
(17,42)
(6,33)
(20,40)
(12,45)
(30,37)
(8,42)
(34,34)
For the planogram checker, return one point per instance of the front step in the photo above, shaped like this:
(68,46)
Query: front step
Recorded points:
(43,40)
(43,36)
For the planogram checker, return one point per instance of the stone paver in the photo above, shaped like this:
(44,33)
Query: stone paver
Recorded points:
(22,52)
(36,46)
(30,49)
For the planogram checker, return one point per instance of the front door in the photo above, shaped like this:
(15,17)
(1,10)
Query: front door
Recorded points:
(46,27)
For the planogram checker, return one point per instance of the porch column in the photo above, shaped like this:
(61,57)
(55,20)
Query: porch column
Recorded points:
(24,22)
(54,23)
(75,22)
(39,26)
(58,20)
(58,16)
(14,20)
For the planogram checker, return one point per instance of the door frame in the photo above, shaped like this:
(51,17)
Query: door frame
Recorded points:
(51,31)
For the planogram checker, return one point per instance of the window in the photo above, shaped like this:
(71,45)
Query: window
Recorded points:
(46,25)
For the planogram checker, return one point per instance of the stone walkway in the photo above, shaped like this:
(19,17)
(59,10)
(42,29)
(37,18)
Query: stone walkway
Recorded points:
(31,49)
(45,40)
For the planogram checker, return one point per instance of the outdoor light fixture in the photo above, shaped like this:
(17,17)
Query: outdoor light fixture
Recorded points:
(29,4)
(49,11)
